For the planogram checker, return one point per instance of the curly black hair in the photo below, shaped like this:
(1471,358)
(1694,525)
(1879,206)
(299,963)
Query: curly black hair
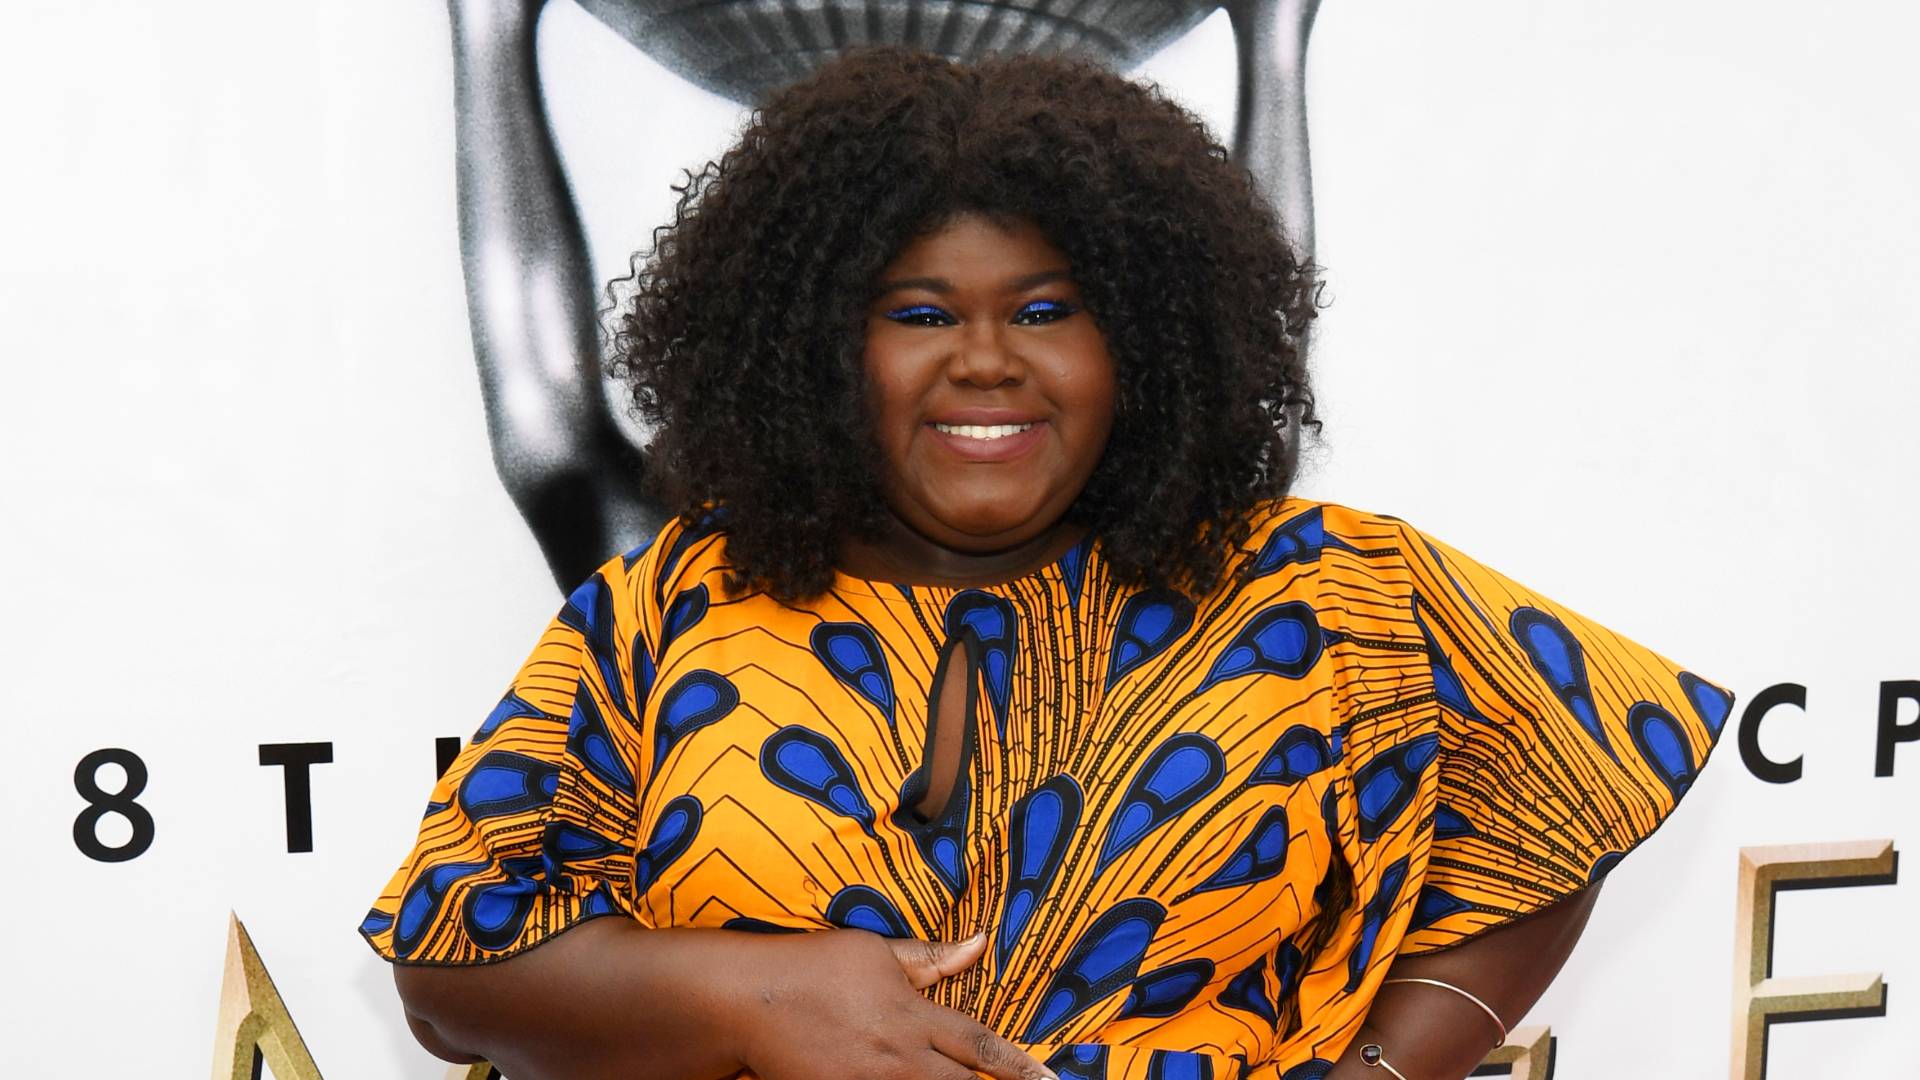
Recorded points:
(741,332)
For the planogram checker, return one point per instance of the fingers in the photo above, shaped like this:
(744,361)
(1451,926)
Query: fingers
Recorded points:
(927,962)
(964,1040)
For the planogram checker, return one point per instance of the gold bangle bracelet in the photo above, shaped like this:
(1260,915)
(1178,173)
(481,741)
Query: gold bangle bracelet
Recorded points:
(1375,1058)
(1484,1007)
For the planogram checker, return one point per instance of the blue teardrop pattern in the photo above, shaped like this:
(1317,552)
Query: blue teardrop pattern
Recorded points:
(1298,753)
(672,835)
(1081,1061)
(1446,682)
(633,555)
(1247,992)
(495,914)
(1708,700)
(1042,822)
(941,843)
(862,907)
(697,699)
(1299,539)
(1073,570)
(1385,786)
(1449,823)
(1260,857)
(1289,963)
(1179,773)
(1178,1065)
(687,609)
(590,744)
(1657,735)
(993,622)
(1434,904)
(1168,990)
(503,782)
(1105,958)
(511,707)
(1372,917)
(599,902)
(589,610)
(1283,640)
(852,654)
(1556,654)
(563,843)
(1330,813)
(422,902)
(375,922)
(709,523)
(803,761)
(1149,622)
(642,660)
(1317,1069)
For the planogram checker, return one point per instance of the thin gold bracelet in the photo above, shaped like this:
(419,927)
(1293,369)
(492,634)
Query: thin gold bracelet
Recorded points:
(1484,1007)
(1375,1058)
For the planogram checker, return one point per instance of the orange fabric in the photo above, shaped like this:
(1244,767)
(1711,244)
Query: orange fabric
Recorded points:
(1199,832)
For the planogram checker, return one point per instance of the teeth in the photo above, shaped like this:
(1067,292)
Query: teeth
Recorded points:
(978,431)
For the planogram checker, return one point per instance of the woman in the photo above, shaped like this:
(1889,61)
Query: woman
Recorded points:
(989,648)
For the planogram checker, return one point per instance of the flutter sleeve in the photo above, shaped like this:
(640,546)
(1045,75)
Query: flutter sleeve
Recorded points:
(1561,745)
(531,831)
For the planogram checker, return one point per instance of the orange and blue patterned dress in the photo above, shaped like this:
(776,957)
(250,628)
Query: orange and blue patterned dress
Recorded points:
(1197,832)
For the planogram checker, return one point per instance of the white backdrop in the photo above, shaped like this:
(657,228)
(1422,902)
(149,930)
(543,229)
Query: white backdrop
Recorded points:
(1624,305)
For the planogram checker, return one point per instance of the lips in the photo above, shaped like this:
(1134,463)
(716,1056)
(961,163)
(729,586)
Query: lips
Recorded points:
(987,442)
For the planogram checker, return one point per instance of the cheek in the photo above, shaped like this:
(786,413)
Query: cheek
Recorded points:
(1094,393)
(891,419)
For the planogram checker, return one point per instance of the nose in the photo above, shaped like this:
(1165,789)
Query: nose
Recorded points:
(985,357)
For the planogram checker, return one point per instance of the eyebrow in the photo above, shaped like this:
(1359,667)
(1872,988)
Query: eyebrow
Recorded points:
(942,287)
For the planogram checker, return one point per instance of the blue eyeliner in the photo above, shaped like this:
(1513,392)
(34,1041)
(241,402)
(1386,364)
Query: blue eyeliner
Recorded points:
(1054,309)
(914,311)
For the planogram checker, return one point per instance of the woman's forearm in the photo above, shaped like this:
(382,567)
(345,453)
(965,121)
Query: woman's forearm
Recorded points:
(1431,1033)
(589,1004)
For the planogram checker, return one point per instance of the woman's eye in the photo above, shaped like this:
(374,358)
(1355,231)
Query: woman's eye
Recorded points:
(1043,311)
(920,315)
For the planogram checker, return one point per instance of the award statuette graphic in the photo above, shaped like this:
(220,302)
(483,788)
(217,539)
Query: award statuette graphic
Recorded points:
(556,443)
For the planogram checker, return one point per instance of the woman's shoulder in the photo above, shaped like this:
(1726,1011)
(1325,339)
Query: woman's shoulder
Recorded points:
(680,557)
(1295,530)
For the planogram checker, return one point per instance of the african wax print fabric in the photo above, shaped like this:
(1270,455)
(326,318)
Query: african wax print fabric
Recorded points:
(1197,832)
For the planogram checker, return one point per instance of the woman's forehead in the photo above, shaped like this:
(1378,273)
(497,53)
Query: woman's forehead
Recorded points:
(1012,251)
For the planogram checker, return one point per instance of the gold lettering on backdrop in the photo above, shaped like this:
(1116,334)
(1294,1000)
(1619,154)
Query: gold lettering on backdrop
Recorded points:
(254,1022)
(1759,997)
(1529,1050)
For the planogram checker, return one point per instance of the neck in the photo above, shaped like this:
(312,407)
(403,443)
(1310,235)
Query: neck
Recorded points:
(901,555)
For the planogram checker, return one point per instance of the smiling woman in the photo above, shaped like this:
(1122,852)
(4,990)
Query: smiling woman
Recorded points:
(992,396)
(990,707)
(747,338)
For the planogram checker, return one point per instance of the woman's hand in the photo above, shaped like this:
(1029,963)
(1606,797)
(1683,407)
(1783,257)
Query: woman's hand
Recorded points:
(846,1003)
(612,999)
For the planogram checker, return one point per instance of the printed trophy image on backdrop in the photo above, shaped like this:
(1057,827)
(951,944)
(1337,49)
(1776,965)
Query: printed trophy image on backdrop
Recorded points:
(557,444)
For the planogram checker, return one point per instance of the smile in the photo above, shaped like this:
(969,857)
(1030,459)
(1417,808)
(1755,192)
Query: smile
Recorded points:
(982,432)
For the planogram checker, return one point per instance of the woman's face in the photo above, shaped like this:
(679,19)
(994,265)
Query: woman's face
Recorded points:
(991,387)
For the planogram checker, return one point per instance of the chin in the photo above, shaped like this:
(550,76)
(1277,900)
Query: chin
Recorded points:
(982,533)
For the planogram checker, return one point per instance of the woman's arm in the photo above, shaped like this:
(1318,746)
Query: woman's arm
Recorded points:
(613,999)
(1430,1033)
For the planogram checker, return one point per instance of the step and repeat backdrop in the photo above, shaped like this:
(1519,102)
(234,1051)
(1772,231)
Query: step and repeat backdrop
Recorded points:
(1621,303)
